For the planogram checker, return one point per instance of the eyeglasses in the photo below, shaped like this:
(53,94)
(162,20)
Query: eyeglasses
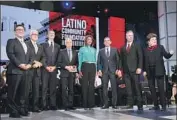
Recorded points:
(20,30)
(35,34)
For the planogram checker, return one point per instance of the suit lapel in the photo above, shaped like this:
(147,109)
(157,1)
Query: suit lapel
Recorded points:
(111,52)
(105,52)
(131,47)
(18,42)
(66,55)
(31,45)
(73,54)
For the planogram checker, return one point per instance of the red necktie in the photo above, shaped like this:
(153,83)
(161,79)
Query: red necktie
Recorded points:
(128,48)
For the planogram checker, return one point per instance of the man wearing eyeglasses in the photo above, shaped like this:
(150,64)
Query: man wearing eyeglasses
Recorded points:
(35,72)
(20,60)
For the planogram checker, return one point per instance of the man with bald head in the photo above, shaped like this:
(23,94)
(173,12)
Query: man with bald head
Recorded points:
(35,72)
(68,60)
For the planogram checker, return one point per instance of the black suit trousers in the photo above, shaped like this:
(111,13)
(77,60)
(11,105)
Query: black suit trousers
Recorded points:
(49,83)
(88,79)
(67,90)
(18,88)
(35,88)
(133,87)
(112,77)
(160,85)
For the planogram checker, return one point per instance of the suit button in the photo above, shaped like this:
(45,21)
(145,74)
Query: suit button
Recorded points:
(108,60)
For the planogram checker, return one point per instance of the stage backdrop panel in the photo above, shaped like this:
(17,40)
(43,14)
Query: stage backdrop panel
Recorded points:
(116,31)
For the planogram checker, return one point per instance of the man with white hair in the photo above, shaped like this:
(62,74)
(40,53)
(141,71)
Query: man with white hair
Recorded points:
(35,73)
(68,60)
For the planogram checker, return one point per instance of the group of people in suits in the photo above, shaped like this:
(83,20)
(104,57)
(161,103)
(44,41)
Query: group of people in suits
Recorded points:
(30,62)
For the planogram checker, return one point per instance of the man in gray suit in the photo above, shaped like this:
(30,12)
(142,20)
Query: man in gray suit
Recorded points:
(109,65)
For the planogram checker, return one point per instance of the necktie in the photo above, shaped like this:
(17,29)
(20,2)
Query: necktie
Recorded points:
(51,45)
(128,48)
(70,55)
(24,46)
(107,52)
(35,47)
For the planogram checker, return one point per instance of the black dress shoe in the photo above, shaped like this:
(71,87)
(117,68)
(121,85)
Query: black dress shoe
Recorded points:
(163,109)
(114,107)
(45,108)
(85,108)
(105,107)
(36,110)
(72,108)
(155,108)
(14,115)
(140,110)
(53,108)
(90,108)
(23,112)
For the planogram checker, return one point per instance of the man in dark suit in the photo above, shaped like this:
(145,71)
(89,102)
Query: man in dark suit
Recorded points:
(109,64)
(49,72)
(35,72)
(132,61)
(155,69)
(68,60)
(20,59)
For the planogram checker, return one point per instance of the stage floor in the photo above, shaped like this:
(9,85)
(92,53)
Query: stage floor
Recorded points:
(99,114)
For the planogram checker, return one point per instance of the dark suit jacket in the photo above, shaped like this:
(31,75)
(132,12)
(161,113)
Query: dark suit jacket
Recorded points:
(133,59)
(111,63)
(160,53)
(64,61)
(50,60)
(17,56)
(38,57)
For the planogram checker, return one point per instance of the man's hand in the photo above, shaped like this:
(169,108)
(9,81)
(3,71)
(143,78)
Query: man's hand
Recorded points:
(119,73)
(144,74)
(99,73)
(69,68)
(48,69)
(22,66)
(39,64)
(52,68)
(171,52)
(138,71)
(35,65)
(28,66)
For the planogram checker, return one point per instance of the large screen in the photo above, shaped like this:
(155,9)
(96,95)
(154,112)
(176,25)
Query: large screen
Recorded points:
(74,26)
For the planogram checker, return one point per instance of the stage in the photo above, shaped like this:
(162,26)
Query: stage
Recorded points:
(99,114)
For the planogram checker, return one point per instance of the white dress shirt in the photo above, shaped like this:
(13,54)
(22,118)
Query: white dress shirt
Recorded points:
(23,44)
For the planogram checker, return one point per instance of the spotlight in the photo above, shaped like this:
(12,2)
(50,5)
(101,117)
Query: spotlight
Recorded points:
(67,5)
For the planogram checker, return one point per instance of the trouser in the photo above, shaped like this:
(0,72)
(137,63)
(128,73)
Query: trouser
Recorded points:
(112,77)
(18,87)
(67,90)
(160,85)
(133,86)
(49,83)
(88,79)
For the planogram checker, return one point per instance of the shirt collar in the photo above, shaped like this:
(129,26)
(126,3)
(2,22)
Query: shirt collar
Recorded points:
(20,39)
(130,43)
(50,41)
(68,49)
(33,42)
(108,48)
